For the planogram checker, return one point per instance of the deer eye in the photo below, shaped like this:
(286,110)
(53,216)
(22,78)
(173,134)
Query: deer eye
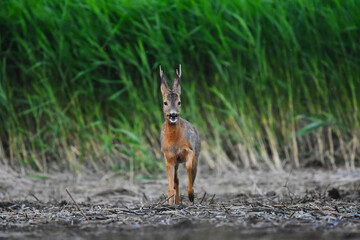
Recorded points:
(165,103)
(179,103)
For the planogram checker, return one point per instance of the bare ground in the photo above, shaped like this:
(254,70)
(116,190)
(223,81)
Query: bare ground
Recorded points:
(305,203)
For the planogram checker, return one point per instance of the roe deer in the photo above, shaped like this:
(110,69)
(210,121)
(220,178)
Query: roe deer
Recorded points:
(180,140)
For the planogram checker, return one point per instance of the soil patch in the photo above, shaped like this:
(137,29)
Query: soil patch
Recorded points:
(263,205)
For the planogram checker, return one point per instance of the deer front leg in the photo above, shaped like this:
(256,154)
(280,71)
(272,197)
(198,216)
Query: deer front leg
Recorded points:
(191,171)
(176,185)
(170,171)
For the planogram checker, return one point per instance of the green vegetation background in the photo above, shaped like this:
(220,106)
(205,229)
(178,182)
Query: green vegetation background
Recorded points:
(268,83)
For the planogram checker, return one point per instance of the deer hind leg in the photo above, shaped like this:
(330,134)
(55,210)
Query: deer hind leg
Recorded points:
(176,184)
(191,171)
(170,170)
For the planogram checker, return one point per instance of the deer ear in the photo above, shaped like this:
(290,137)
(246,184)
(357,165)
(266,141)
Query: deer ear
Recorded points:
(164,86)
(176,86)
(176,83)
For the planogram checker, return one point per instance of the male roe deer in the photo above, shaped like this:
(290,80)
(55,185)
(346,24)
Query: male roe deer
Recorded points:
(180,140)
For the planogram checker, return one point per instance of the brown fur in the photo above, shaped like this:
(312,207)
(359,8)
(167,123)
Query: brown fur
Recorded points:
(180,141)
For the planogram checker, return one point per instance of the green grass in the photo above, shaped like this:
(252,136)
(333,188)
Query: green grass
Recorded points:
(268,83)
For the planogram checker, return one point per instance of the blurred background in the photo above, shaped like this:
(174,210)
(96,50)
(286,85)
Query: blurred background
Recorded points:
(269,84)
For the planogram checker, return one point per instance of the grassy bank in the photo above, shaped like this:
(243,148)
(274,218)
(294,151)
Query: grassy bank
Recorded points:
(268,83)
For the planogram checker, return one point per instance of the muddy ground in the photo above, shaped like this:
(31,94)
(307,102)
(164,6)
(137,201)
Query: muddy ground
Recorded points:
(307,203)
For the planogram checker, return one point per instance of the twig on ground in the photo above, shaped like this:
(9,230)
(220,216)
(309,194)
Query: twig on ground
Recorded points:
(211,200)
(328,213)
(33,195)
(314,206)
(134,212)
(226,210)
(336,208)
(167,199)
(122,204)
(322,211)
(160,199)
(280,206)
(63,203)
(78,207)
(203,198)
(292,214)
(145,197)
(63,207)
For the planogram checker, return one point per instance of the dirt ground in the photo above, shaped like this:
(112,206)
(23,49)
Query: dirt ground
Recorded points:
(307,203)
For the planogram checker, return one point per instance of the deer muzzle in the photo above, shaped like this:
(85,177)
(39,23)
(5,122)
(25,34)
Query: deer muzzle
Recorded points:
(173,116)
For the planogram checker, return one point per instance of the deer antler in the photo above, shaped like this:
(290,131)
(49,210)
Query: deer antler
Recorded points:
(176,83)
(178,73)
(161,72)
(164,86)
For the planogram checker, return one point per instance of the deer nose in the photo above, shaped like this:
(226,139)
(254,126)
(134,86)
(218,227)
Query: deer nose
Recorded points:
(173,114)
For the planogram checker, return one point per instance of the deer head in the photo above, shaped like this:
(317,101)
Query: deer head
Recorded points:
(171,97)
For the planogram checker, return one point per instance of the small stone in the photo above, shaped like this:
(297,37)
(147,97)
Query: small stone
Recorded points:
(334,193)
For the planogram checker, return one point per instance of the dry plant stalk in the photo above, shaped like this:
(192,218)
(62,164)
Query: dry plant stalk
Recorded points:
(320,146)
(243,155)
(331,148)
(343,151)
(295,148)
(274,147)
(77,206)
(264,154)
(353,151)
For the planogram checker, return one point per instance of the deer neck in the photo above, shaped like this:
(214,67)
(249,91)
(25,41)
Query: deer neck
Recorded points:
(173,131)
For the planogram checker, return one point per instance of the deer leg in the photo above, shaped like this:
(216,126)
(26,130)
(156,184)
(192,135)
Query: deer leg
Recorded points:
(191,171)
(176,184)
(170,171)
